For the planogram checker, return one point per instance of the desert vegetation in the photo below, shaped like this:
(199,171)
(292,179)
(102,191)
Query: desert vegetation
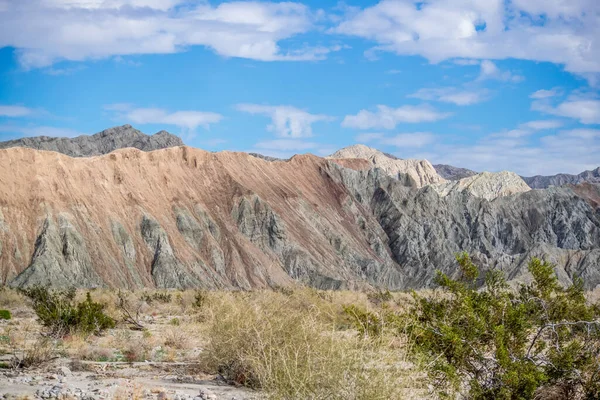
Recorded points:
(472,337)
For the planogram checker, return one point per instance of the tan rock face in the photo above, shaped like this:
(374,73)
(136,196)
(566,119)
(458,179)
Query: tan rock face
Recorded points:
(420,171)
(487,185)
(179,217)
(183,217)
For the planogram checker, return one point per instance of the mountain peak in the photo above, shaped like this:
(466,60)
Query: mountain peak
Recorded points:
(420,171)
(103,142)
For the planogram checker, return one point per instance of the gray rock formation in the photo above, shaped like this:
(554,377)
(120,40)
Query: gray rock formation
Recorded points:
(266,158)
(101,143)
(453,173)
(542,182)
(61,257)
(425,230)
(486,185)
(183,217)
(420,171)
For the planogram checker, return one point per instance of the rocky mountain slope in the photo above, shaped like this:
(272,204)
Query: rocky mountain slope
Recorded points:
(453,173)
(542,182)
(486,185)
(420,171)
(101,143)
(183,217)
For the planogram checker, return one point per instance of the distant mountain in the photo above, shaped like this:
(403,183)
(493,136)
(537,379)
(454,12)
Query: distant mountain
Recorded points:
(101,143)
(486,185)
(266,158)
(420,171)
(453,173)
(542,182)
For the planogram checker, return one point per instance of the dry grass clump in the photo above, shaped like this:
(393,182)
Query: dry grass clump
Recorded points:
(289,346)
(25,346)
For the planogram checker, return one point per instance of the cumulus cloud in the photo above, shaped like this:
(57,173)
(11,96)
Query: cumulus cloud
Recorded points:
(586,110)
(387,117)
(489,70)
(286,121)
(188,120)
(460,97)
(544,94)
(47,31)
(558,31)
(14,111)
(566,151)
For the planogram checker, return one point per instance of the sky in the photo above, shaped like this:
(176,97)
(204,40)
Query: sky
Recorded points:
(488,85)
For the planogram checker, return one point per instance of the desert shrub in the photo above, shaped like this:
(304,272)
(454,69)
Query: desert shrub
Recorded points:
(10,298)
(367,323)
(501,343)
(35,354)
(200,299)
(5,314)
(61,314)
(285,345)
(380,296)
(158,297)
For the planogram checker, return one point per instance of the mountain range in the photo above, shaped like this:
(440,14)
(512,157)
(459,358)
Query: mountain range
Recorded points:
(165,215)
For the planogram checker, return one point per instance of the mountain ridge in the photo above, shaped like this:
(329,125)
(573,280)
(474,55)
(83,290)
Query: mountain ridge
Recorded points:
(182,217)
(103,142)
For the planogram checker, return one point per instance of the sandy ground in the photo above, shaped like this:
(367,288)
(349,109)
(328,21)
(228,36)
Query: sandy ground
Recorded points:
(108,380)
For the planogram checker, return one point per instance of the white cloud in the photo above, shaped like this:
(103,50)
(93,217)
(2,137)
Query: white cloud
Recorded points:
(412,140)
(489,70)
(544,94)
(564,152)
(14,111)
(188,120)
(40,131)
(558,31)
(465,61)
(286,145)
(47,31)
(542,124)
(586,110)
(461,97)
(400,140)
(583,133)
(528,128)
(114,4)
(387,117)
(368,137)
(286,121)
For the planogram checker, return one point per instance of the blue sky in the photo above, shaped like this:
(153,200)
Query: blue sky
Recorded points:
(484,84)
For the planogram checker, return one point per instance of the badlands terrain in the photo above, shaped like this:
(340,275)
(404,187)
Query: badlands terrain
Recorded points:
(163,215)
(153,230)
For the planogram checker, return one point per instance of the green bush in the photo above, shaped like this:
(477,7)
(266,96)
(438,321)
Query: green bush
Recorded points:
(5,314)
(503,343)
(367,323)
(61,314)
